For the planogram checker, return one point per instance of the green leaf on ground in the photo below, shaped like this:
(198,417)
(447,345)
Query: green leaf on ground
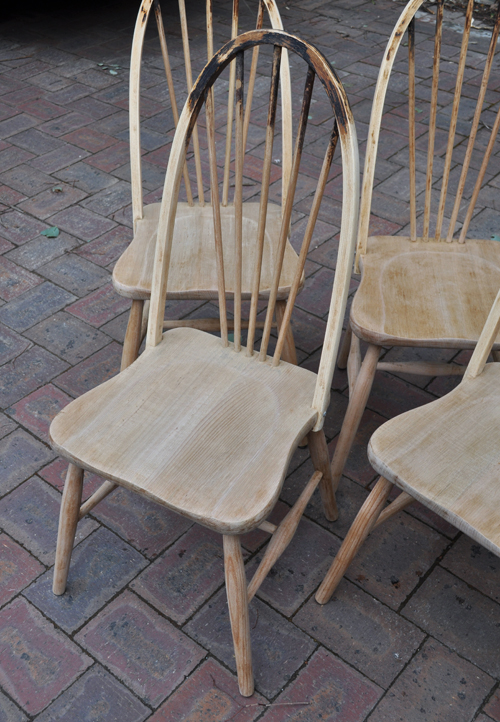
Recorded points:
(51,232)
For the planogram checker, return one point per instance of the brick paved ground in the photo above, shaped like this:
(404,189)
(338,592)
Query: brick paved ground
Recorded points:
(413,632)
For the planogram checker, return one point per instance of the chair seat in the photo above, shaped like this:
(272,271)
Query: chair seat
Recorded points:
(446,454)
(204,430)
(416,293)
(193,272)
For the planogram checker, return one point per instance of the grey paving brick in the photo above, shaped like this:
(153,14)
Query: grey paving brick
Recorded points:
(96,692)
(361,630)
(26,372)
(35,141)
(67,337)
(451,610)
(84,176)
(21,456)
(11,344)
(100,566)
(436,685)
(475,565)
(30,514)
(34,305)
(53,199)
(82,223)
(109,200)
(60,158)
(41,250)
(9,712)
(278,647)
(75,274)
(19,227)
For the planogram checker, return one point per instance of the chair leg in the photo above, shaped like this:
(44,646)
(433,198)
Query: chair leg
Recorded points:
(353,362)
(344,349)
(321,461)
(361,527)
(289,353)
(133,335)
(68,520)
(357,403)
(237,599)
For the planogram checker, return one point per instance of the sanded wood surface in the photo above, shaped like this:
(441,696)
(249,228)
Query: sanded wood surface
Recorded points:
(446,454)
(195,426)
(193,267)
(417,293)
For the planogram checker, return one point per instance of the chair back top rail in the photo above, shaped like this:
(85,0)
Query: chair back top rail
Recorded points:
(343,129)
(407,22)
(134,100)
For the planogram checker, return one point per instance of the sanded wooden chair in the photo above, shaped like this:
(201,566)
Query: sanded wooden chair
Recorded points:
(445,455)
(200,424)
(434,287)
(192,275)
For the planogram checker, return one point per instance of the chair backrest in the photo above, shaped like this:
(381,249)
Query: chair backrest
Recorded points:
(135,85)
(342,128)
(450,60)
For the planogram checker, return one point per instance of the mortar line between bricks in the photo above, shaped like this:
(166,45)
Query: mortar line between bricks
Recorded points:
(427,636)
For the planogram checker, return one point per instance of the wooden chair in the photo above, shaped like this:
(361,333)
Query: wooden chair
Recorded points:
(429,288)
(197,423)
(445,454)
(191,248)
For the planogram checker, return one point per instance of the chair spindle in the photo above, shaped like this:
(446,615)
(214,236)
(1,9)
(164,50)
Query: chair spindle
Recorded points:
(432,118)
(253,72)
(287,212)
(238,201)
(411,129)
(475,126)
(189,82)
(171,89)
(311,223)
(230,109)
(264,197)
(453,121)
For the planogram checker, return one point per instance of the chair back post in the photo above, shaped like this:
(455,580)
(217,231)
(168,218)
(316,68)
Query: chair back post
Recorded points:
(375,121)
(486,340)
(135,110)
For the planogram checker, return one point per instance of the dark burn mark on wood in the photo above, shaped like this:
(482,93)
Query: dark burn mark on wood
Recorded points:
(313,57)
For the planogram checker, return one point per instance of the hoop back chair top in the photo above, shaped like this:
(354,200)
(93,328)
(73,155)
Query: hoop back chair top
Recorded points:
(193,275)
(433,286)
(201,424)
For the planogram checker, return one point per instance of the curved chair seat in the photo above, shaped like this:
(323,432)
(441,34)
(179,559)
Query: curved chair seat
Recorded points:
(446,454)
(417,293)
(225,426)
(193,269)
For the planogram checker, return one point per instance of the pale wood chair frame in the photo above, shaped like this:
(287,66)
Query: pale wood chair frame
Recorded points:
(239,594)
(137,323)
(361,373)
(374,510)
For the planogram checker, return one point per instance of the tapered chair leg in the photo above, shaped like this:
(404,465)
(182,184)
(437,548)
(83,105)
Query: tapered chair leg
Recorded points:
(237,599)
(344,349)
(357,403)
(361,527)
(321,461)
(133,335)
(289,353)
(353,362)
(68,520)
